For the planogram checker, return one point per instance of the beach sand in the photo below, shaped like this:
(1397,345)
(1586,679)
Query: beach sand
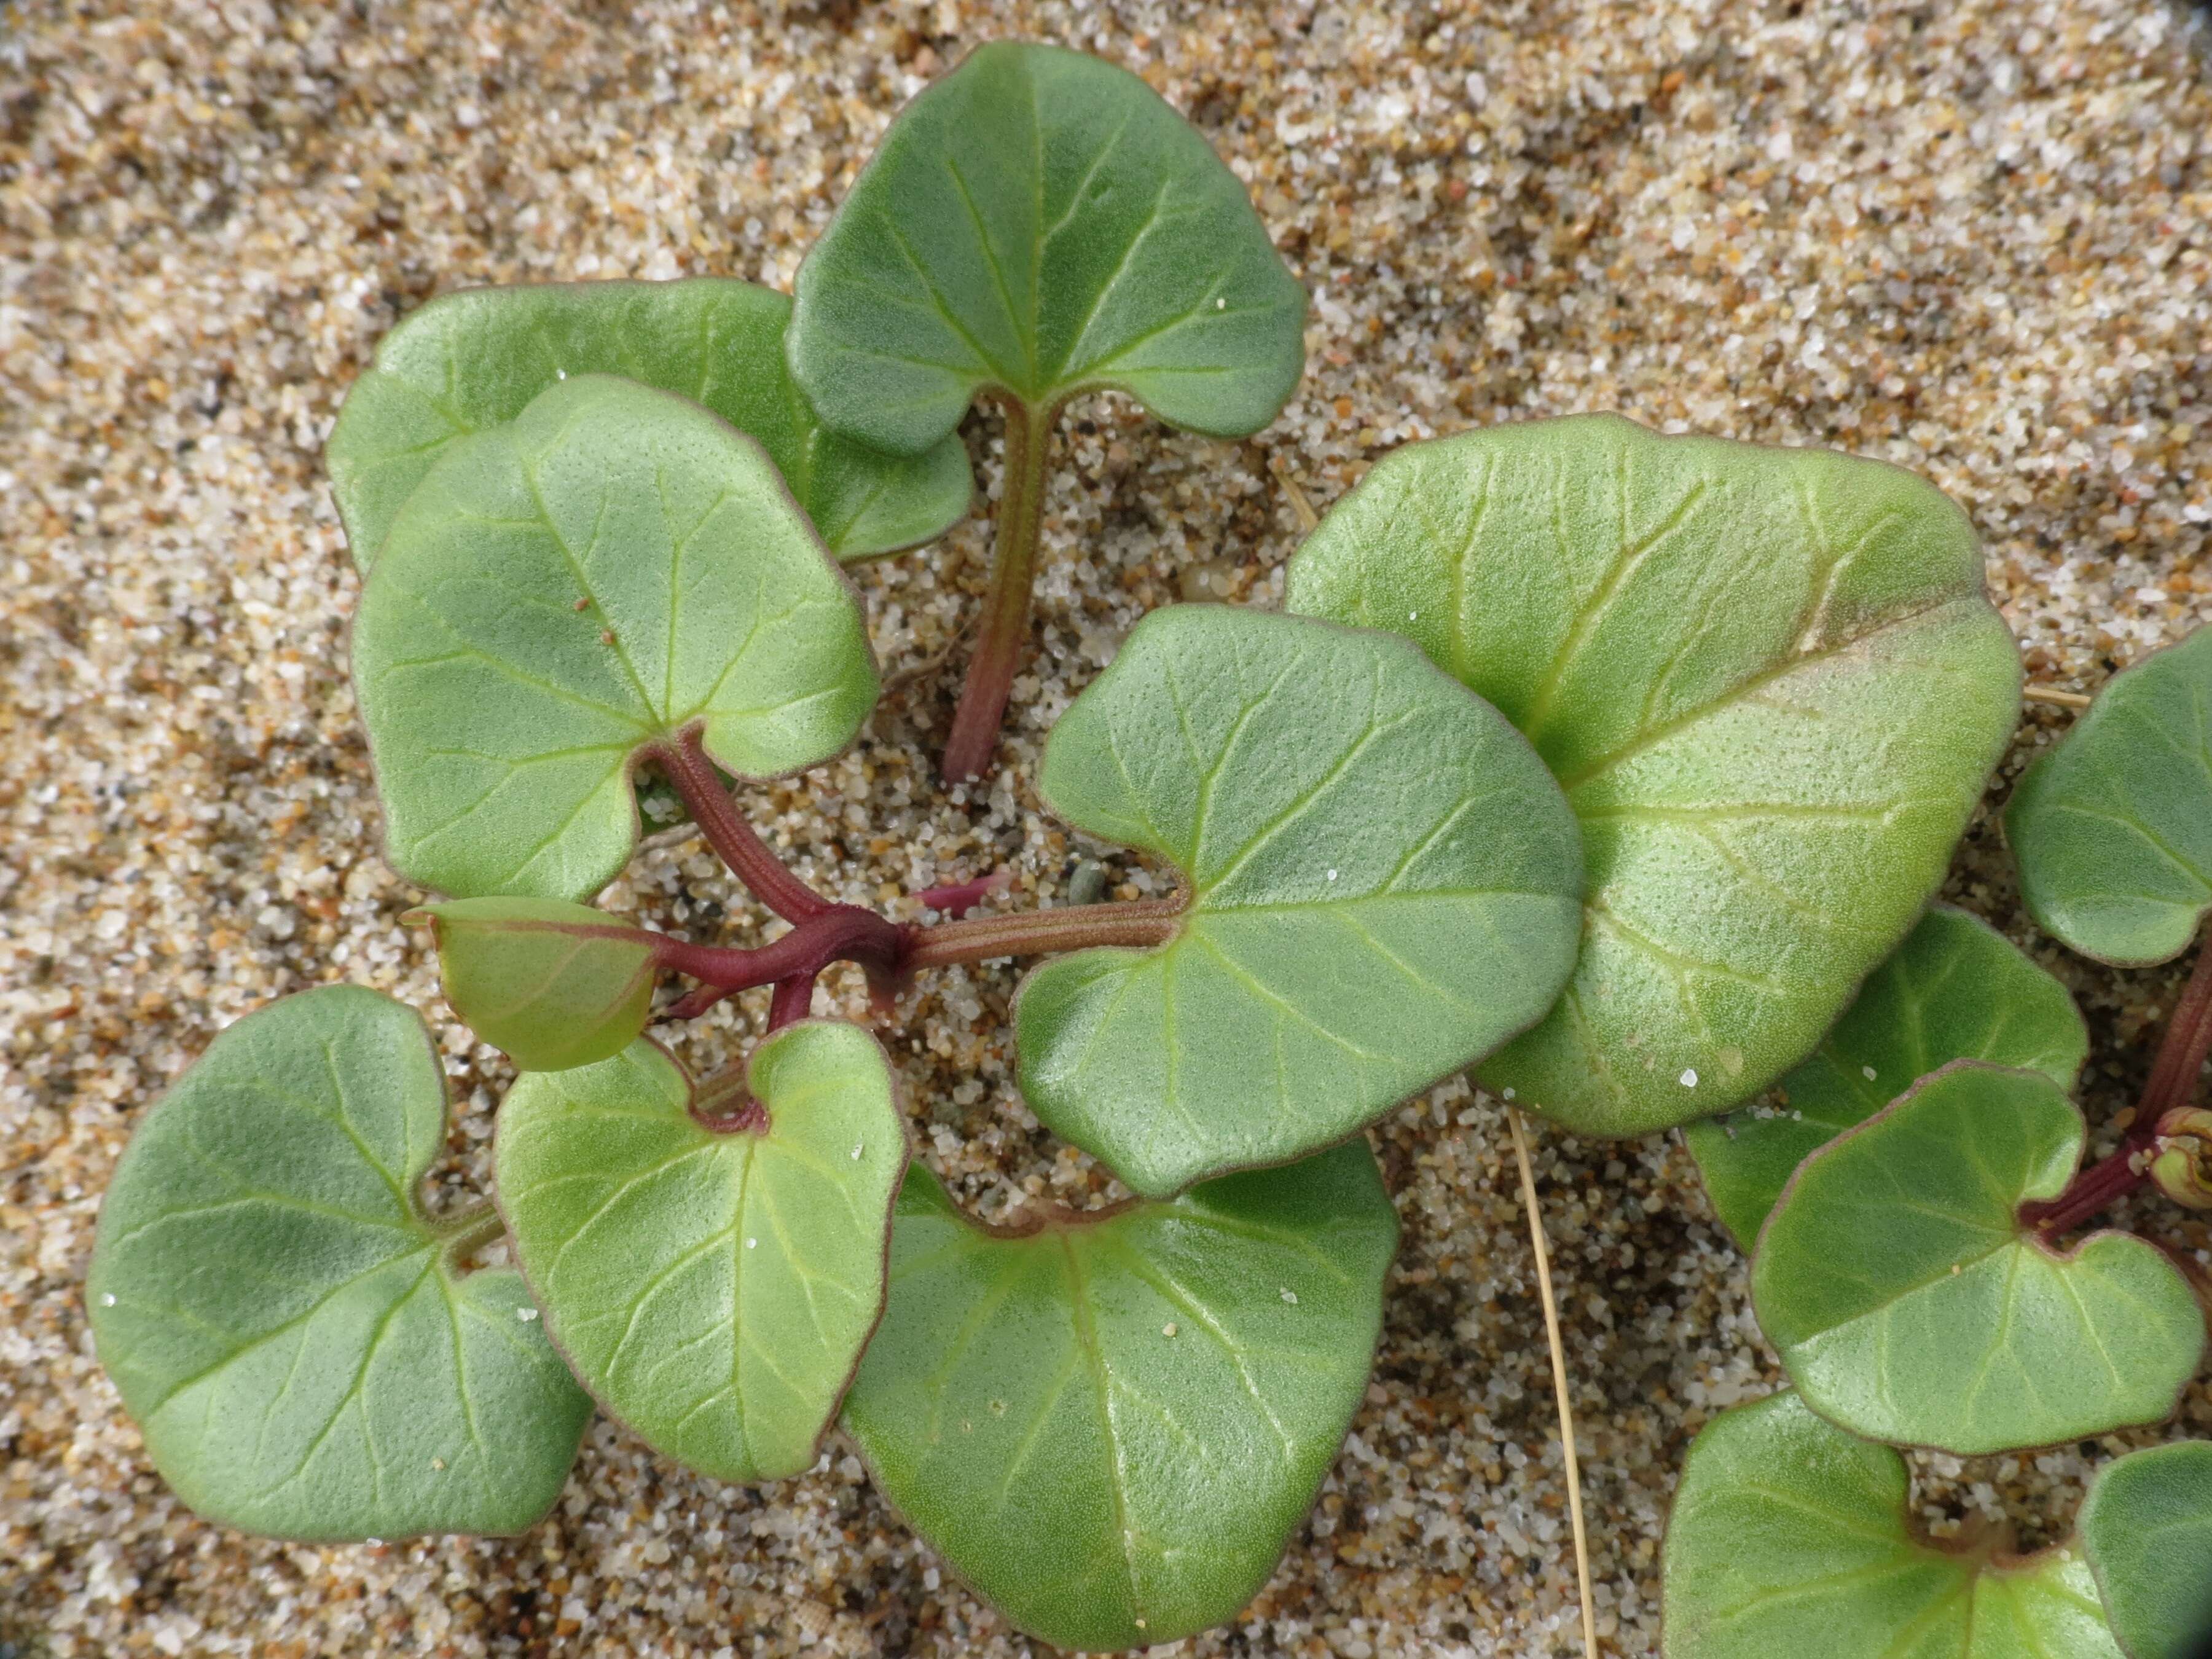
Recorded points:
(1973,239)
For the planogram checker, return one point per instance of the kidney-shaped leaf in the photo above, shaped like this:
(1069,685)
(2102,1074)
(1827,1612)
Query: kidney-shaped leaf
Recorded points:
(1383,885)
(1910,1305)
(615,566)
(1039,223)
(1109,1425)
(554,984)
(2146,1526)
(1770,683)
(476,359)
(2114,827)
(293,1336)
(1790,1537)
(711,1283)
(1956,989)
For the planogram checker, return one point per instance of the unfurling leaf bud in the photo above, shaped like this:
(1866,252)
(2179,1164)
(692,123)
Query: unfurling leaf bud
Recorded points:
(2181,1161)
(556,985)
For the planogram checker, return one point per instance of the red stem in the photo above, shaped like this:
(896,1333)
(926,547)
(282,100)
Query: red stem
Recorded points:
(2096,1189)
(888,952)
(823,932)
(2174,1074)
(958,899)
(840,933)
(697,1001)
(727,831)
(975,736)
(1142,924)
(793,1001)
(2180,1060)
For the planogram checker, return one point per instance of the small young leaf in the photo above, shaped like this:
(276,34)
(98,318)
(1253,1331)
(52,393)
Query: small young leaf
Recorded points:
(1385,885)
(1790,1539)
(1954,990)
(1769,681)
(615,566)
(1109,1424)
(292,1333)
(554,984)
(2114,827)
(712,1286)
(476,359)
(1910,1305)
(1039,223)
(2147,1527)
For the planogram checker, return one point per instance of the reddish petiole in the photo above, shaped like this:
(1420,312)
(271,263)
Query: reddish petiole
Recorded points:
(823,931)
(2172,1083)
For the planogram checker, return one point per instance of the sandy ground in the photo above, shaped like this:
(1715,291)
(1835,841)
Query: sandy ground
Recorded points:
(1971,238)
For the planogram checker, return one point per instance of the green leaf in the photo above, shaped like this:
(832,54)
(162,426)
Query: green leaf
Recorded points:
(1040,223)
(2114,827)
(1790,1538)
(504,719)
(1955,990)
(476,359)
(293,1336)
(1910,1305)
(1109,1424)
(1770,683)
(1384,886)
(711,1283)
(2147,1527)
(554,984)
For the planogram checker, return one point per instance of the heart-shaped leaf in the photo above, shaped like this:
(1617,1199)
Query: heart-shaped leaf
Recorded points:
(711,1272)
(294,1337)
(2114,827)
(1910,1305)
(1955,990)
(476,359)
(2146,1526)
(617,566)
(1039,223)
(1770,683)
(1108,1424)
(1791,1538)
(554,984)
(1384,886)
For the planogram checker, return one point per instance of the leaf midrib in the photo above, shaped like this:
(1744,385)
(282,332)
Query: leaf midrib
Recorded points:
(428,1249)
(1086,1337)
(1645,741)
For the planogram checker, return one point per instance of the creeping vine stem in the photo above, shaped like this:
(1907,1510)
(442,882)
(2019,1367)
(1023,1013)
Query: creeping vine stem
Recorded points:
(2172,1081)
(823,931)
